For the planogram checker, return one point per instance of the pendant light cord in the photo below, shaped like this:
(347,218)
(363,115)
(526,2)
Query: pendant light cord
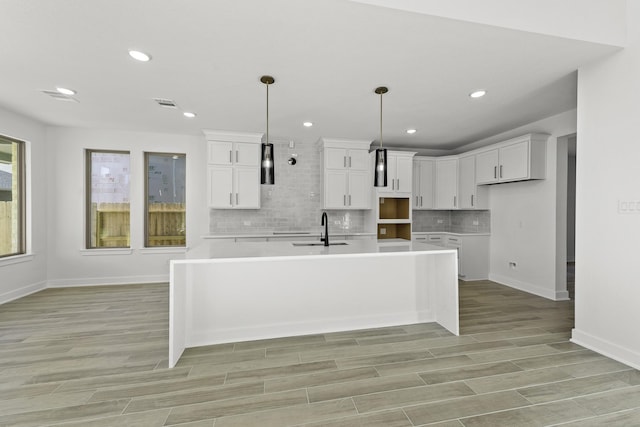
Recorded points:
(267,112)
(380,120)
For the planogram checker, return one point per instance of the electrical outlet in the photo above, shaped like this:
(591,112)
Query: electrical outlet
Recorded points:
(440,221)
(247,223)
(475,222)
(383,231)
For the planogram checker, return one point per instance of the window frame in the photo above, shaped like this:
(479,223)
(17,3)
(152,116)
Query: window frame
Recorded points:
(146,241)
(88,193)
(22,195)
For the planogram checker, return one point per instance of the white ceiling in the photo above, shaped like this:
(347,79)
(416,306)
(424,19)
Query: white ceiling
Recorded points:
(327,57)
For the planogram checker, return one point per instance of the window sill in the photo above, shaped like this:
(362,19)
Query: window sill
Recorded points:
(16,259)
(105,251)
(164,250)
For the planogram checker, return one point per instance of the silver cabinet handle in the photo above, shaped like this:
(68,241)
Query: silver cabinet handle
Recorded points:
(417,200)
(230,156)
(398,184)
(495,172)
(237,156)
(472,200)
(349,199)
(344,161)
(344,200)
(500,171)
(420,201)
(349,161)
(236,198)
(454,201)
(231,199)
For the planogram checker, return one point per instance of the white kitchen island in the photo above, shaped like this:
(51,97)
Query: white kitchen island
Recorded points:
(230,292)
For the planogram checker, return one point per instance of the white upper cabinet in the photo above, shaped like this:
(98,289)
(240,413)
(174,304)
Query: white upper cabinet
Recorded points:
(233,170)
(423,183)
(518,159)
(467,182)
(399,172)
(446,183)
(347,178)
(470,196)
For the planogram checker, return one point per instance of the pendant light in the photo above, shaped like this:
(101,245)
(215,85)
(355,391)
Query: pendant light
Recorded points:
(267,173)
(380,172)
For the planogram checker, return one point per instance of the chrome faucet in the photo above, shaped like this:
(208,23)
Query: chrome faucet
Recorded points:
(325,222)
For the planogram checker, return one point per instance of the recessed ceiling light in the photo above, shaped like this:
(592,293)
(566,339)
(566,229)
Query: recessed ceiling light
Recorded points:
(140,56)
(65,91)
(307,124)
(411,131)
(478,93)
(189,114)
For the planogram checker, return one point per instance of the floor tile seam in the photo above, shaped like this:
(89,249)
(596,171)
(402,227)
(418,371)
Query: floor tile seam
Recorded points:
(475,364)
(584,378)
(573,398)
(158,394)
(622,411)
(564,353)
(225,399)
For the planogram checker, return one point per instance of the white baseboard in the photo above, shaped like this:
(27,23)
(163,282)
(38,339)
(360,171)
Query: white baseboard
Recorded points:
(101,281)
(606,348)
(22,292)
(551,294)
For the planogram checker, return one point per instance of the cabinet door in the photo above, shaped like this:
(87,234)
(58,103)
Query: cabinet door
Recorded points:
(358,160)
(426,181)
(404,176)
(220,153)
(247,188)
(335,189)
(220,186)
(359,196)
(467,182)
(487,167)
(335,158)
(514,162)
(447,184)
(391,174)
(246,154)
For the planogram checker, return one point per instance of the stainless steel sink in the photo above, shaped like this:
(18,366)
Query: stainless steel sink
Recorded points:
(320,244)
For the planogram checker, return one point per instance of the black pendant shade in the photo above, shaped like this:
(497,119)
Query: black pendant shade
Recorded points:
(267,173)
(380,173)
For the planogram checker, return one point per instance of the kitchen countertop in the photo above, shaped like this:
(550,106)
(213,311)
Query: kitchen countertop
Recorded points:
(229,250)
(450,233)
(267,234)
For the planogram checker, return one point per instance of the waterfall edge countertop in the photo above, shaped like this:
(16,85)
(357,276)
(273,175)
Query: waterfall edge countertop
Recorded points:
(227,250)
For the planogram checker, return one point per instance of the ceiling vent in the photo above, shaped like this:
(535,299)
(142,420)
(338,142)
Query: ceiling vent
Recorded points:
(59,96)
(167,103)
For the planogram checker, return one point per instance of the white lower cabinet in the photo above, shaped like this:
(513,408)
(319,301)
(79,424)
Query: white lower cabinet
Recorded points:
(473,252)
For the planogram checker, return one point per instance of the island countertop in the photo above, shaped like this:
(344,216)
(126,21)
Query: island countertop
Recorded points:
(227,250)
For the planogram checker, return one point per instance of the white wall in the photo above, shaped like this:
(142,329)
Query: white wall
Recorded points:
(29,275)
(524,223)
(69,264)
(600,21)
(608,171)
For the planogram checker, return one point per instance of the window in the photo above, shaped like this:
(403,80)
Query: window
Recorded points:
(165,199)
(108,213)
(12,197)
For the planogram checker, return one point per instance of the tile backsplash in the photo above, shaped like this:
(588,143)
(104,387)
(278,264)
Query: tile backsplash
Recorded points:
(471,221)
(294,203)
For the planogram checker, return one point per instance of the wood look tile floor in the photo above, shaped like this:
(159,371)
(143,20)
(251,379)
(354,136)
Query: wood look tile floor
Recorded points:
(96,356)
